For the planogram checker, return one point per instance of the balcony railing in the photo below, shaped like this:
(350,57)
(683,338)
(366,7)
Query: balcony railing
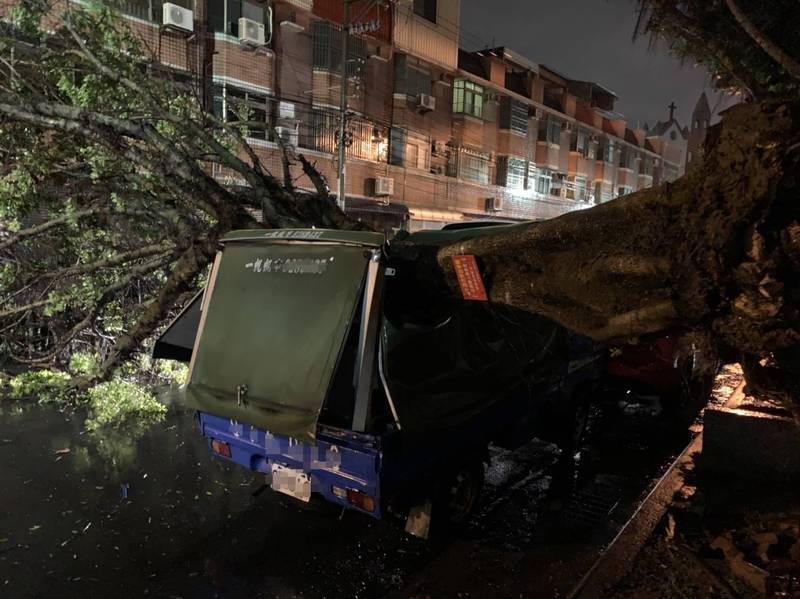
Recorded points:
(304,4)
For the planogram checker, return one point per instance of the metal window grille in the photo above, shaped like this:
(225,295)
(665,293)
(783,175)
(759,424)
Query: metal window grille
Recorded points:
(472,167)
(544,181)
(327,50)
(361,141)
(239,105)
(511,172)
(513,115)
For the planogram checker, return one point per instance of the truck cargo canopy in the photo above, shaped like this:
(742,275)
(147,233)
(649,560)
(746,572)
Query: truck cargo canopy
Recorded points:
(274,327)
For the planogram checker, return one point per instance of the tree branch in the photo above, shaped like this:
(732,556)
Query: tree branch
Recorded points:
(775,52)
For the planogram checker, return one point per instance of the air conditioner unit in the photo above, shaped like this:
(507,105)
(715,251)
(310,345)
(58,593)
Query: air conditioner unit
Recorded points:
(177,17)
(286,110)
(251,32)
(537,113)
(384,186)
(437,170)
(593,137)
(288,135)
(567,126)
(439,148)
(426,102)
(494,204)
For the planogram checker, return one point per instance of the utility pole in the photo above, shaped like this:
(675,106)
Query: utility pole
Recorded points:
(343,105)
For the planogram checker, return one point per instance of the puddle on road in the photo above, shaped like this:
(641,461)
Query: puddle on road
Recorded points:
(147,510)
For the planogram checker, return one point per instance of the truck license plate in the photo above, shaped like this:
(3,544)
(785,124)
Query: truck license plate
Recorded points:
(294,483)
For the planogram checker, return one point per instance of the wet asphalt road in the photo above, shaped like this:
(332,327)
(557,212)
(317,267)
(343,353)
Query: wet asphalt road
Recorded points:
(147,512)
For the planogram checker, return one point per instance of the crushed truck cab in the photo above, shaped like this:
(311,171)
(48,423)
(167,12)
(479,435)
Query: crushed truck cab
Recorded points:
(298,371)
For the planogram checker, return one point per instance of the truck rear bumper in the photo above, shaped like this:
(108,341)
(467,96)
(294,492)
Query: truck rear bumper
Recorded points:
(344,467)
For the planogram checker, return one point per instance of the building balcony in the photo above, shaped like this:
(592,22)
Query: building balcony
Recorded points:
(304,4)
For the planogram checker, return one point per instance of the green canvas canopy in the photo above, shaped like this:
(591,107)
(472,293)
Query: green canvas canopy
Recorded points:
(276,320)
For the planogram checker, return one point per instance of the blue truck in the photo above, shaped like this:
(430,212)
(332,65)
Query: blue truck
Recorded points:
(301,370)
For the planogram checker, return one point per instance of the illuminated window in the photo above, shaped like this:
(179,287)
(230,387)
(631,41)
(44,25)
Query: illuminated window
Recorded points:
(544,181)
(511,172)
(467,98)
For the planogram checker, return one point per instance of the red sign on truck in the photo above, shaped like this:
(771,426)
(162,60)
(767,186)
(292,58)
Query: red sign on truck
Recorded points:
(469,278)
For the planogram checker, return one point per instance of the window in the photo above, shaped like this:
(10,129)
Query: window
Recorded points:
(469,166)
(581,143)
(576,189)
(511,172)
(647,166)
(608,151)
(409,149)
(397,146)
(622,191)
(148,10)
(235,105)
(627,158)
(467,98)
(425,9)
(603,192)
(544,180)
(670,172)
(327,50)
(411,77)
(513,115)
(224,15)
(550,130)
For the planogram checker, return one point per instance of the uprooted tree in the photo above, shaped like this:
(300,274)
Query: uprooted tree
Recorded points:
(114,158)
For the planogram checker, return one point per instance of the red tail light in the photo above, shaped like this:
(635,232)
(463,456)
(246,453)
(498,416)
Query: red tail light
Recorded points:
(361,500)
(221,448)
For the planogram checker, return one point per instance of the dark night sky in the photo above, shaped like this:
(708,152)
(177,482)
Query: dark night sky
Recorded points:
(590,39)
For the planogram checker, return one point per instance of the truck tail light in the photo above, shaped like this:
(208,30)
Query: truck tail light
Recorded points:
(221,448)
(360,500)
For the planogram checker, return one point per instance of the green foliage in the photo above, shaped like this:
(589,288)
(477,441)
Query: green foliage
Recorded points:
(171,371)
(706,33)
(84,364)
(43,385)
(115,401)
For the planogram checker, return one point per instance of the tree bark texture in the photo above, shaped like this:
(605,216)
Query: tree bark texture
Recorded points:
(719,250)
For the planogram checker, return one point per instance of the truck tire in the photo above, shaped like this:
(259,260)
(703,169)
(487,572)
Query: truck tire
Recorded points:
(573,419)
(459,494)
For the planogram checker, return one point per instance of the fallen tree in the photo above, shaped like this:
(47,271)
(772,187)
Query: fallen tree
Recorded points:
(121,168)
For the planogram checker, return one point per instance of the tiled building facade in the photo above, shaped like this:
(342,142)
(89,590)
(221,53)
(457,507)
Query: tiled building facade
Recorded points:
(435,134)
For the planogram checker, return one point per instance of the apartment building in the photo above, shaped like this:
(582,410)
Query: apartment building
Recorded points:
(434,135)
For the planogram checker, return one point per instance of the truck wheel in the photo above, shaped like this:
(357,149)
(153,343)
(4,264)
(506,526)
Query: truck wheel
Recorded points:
(461,492)
(573,419)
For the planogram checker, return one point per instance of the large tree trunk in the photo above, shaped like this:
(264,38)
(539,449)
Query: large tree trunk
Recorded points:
(717,250)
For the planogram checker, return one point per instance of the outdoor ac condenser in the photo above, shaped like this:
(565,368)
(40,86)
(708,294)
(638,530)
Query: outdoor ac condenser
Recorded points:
(177,17)
(384,186)
(251,32)
(494,204)
(426,102)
